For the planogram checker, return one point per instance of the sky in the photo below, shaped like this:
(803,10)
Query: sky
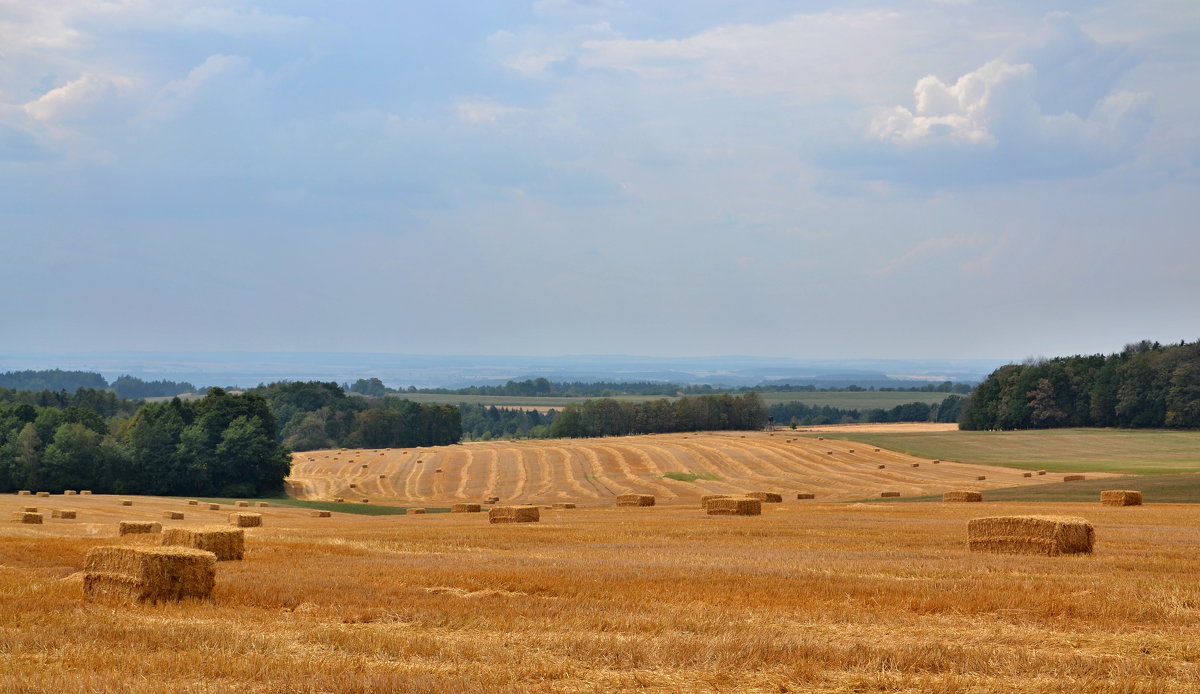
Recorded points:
(953,179)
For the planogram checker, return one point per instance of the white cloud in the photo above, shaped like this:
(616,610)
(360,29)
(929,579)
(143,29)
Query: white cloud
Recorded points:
(80,98)
(484,111)
(176,95)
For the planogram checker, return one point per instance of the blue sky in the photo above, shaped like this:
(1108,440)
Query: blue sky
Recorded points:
(676,178)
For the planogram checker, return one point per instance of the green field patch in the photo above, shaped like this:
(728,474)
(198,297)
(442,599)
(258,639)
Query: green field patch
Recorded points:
(1121,451)
(691,476)
(337,507)
(1160,489)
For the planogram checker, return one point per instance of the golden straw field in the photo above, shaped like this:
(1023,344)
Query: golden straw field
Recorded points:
(811,596)
(597,470)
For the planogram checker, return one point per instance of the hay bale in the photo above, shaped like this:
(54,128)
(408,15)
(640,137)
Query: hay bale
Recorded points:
(138,527)
(916,465)
(24,492)
(466,508)
(43,494)
(246,504)
(85,492)
(514,514)
(936,462)
(1074,478)
(229,544)
(320,514)
(828,452)
(69,492)
(1027,474)
(27,517)
(64,513)
(414,512)
(766,497)
(493,499)
(889,495)
(1120,497)
(635,500)
(365,500)
(149,574)
(262,504)
(980,478)
(882,467)
(734,506)
(709,497)
(876,450)
(1041,472)
(193,502)
(564,505)
(353,486)
(29,509)
(438,470)
(850,451)
(127,502)
(962,496)
(383,477)
(806,495)
(214,507)
(1045,535)
(173,515)
(364,466)
(245,520)
(338,500)
(819,438)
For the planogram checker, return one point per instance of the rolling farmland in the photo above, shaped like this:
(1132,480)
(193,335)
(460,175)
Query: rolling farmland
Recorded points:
(596,470)
(846,400)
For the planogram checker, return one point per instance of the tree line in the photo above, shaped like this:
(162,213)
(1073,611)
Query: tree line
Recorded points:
(801,414)
(1145,385)
(57,380)
(221,445)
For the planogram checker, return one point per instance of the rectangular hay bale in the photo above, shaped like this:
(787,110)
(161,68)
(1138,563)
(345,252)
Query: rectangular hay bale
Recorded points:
(193,502)
(85,492)
(414,512)
(735,506)
(1044,535)
(889,495)
(27,517)
(245,520)
(514,514)
(214,507)
(43,494)
(635,500)
(1074,478)
(766,497)
(709,497)
(64,513)
(138,527)
(1120,497)
(320,514)
(466,508)
(24,492)
(148,574)
(962,496)
(228,544)
(262,504)
(564,505)
(173,515)
(29,509)
(127,502)
(246,504)
(806,495)
(68,492)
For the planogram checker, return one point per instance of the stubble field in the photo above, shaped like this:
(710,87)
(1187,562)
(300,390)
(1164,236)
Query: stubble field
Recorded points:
(808,597)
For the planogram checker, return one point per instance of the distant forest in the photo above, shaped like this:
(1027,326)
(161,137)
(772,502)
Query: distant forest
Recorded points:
(541,387)
(1145,385)
(70,381)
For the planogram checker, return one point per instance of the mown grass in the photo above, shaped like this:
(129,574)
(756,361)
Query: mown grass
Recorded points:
(1161,489)
(1140,452)
(692,476)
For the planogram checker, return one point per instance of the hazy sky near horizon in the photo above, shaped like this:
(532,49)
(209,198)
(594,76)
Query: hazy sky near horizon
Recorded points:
(964,179)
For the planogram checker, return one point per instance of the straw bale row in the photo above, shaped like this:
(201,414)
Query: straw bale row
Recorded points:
(1044,535)
(1120,497)
(148,574)
(228,544)
(514,514)
(734,506)
(633,500)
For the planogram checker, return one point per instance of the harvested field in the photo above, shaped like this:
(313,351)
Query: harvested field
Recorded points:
(814,597)
(596,471)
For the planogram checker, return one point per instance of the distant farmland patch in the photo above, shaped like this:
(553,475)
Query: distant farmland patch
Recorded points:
(862,400)
(1140,451)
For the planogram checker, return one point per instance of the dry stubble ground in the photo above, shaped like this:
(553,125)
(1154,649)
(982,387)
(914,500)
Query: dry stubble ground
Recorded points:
(806,598)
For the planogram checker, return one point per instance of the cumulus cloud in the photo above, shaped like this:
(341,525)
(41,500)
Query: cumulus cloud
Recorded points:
(177,95)
(79,99)
(1060,115)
